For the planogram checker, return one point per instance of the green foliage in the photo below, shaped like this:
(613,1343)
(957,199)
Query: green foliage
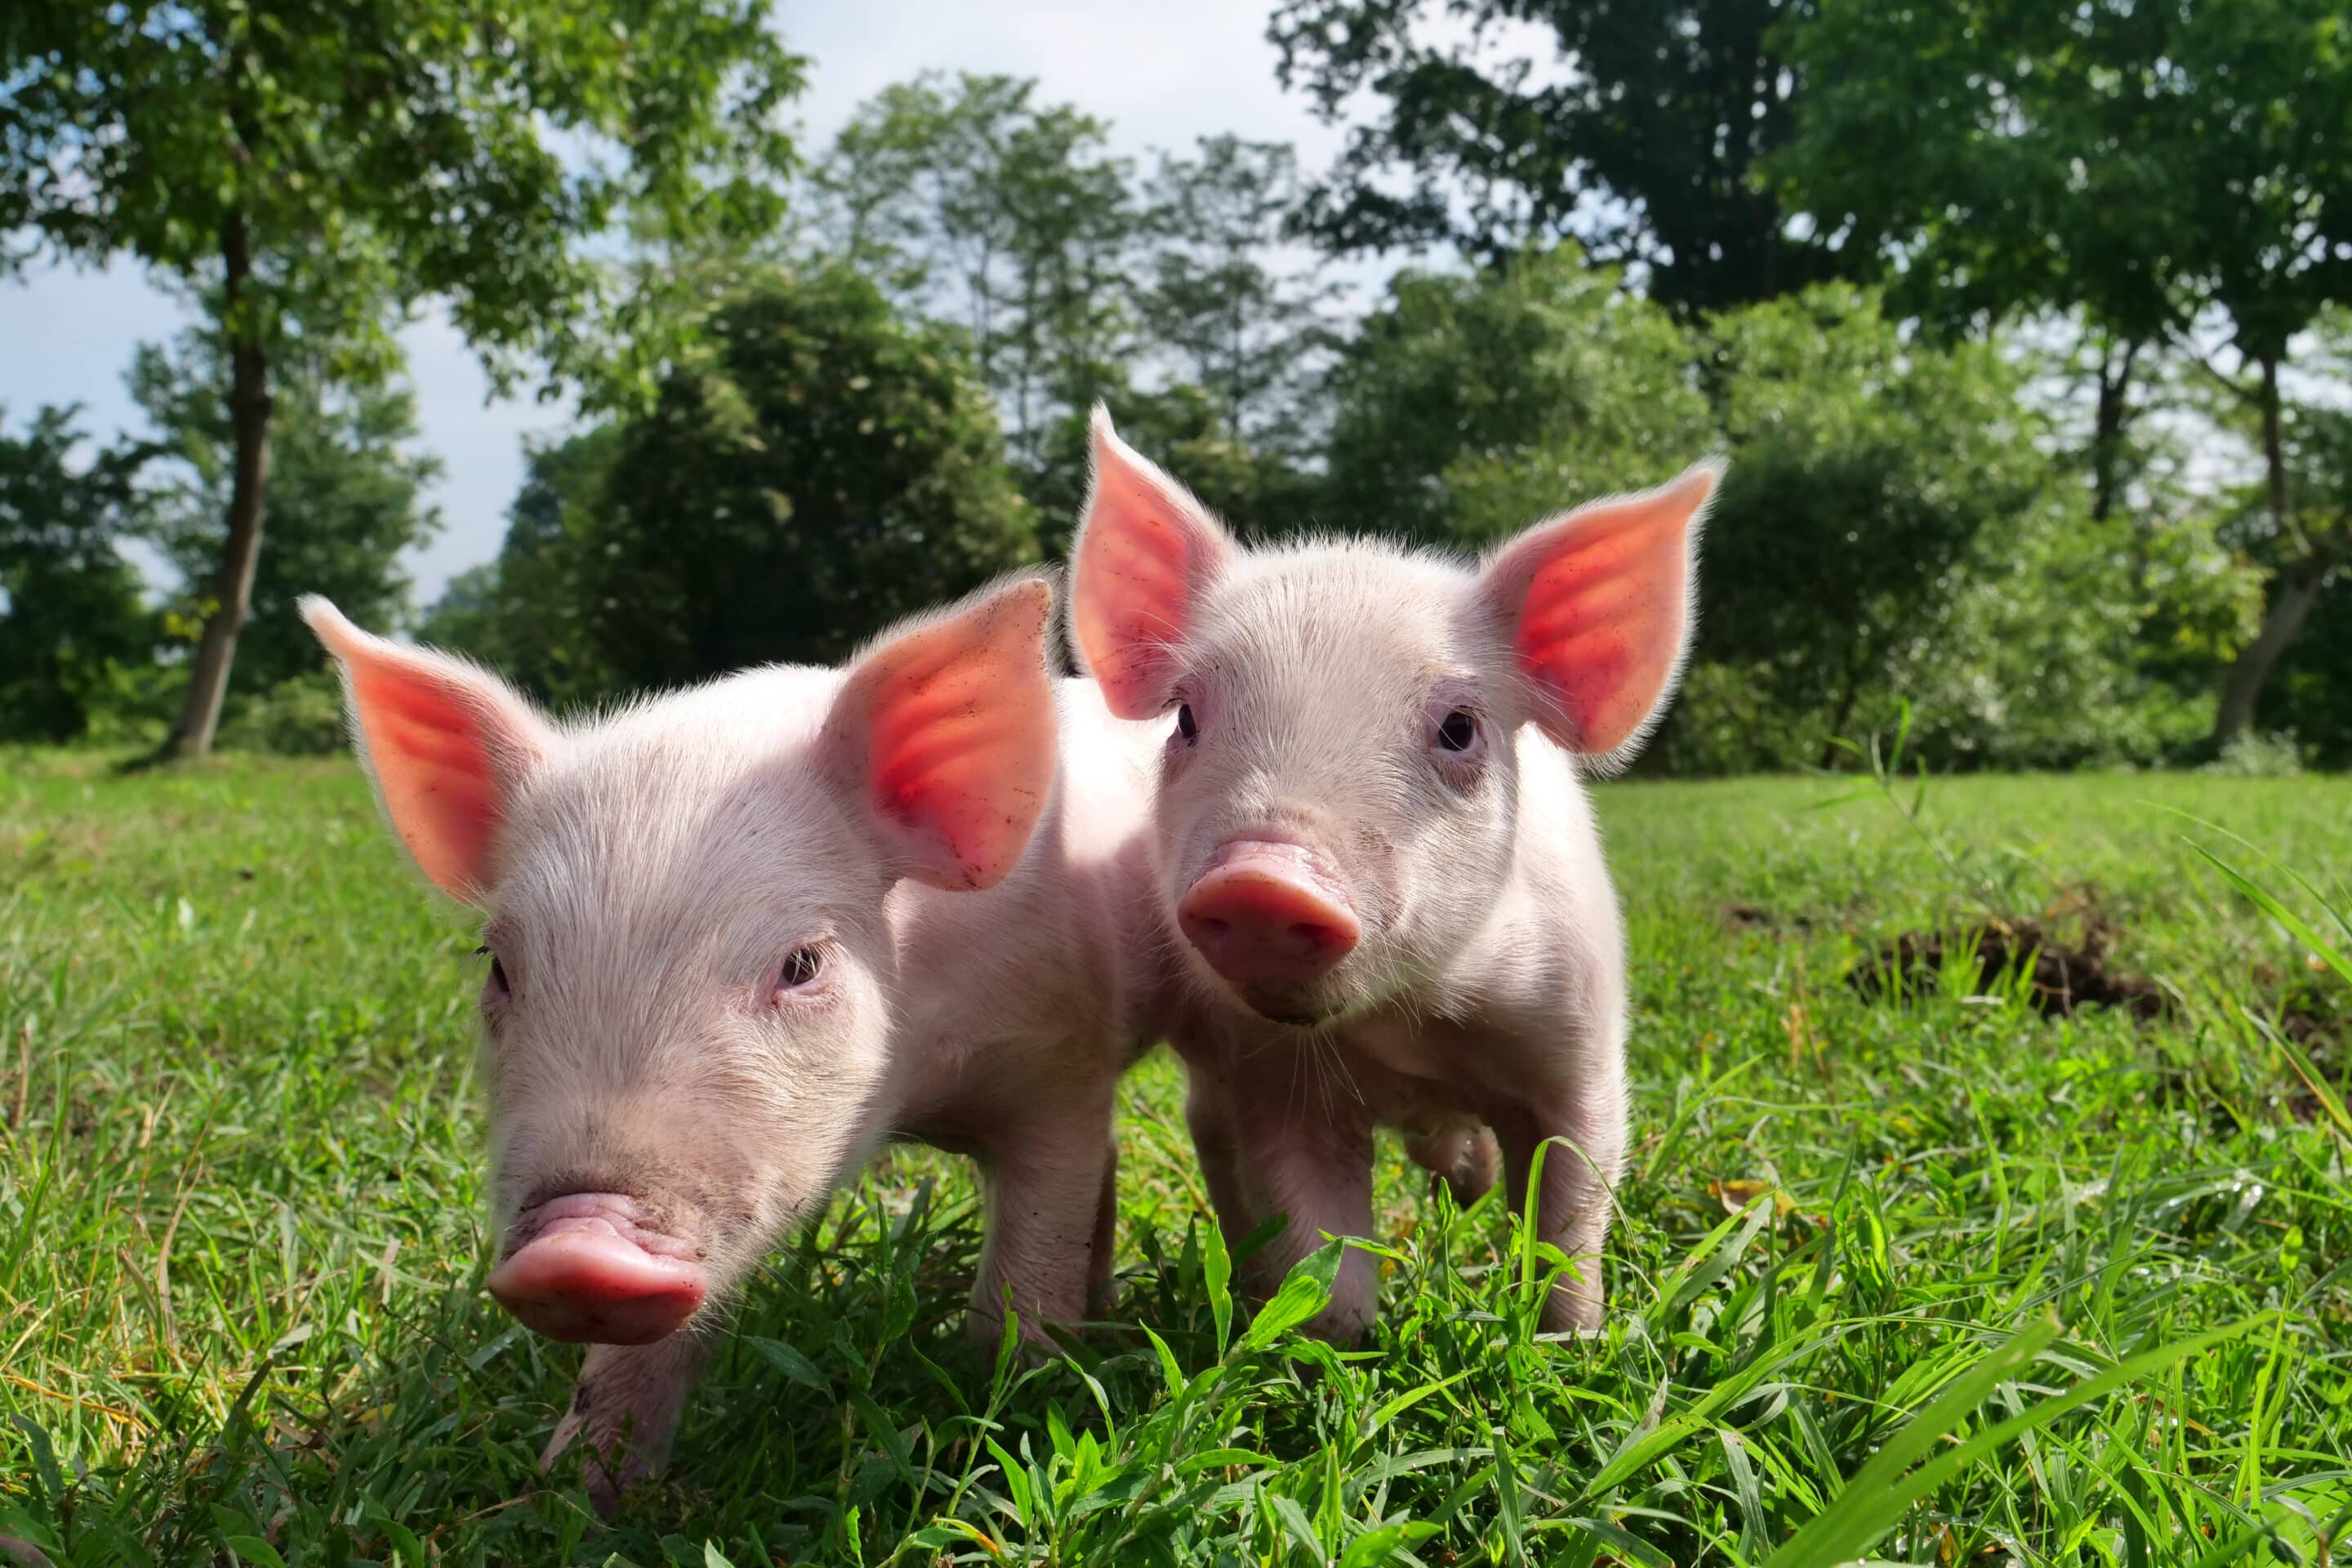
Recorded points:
(1470,405)
(530,613)
(1894,521)
(2306,699)
(2316,441)
(347,488)
(977,204)
(823,470)
(1215,303)
(1257,486)
(2167,169)
(301,716)
(2276,756)
(1994,198)
(1894,524)
(1930,1278)
(314,173)
(368,156)
(73,620)
(828,471)
(1638,137)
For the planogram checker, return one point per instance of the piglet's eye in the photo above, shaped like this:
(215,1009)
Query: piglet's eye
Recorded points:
(802,965)
(1457,732)
(1186,725)
(499,986)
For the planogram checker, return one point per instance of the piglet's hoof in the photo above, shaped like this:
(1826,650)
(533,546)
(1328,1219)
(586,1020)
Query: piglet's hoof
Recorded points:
(606,1477)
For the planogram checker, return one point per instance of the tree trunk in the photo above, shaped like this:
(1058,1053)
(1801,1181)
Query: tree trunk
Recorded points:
(248,405)
(2293,591)
(1855,665)
(2107,434)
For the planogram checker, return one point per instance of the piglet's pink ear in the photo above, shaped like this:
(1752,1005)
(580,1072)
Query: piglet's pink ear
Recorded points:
(948,732)
(446,744)
(1599,605)
(1145,551)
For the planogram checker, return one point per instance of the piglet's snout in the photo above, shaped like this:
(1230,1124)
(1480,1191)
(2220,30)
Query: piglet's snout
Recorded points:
(1266,915)
(589,1271)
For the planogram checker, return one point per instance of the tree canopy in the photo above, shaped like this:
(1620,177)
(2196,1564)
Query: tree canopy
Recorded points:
(2163,169)
(312,173)
(821,468)
(71,616)
(1637,137)
(2022,328)
(348,478)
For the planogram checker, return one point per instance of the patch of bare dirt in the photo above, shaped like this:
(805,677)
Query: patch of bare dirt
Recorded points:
(1748,917)
(2060,976)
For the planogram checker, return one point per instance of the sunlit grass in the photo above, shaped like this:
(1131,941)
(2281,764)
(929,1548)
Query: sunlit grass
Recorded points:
(1931,1280)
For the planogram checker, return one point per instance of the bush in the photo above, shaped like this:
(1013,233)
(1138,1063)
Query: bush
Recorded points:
(301,716)
(1469,407)
(1897,522)
(827,471)
(2251,756)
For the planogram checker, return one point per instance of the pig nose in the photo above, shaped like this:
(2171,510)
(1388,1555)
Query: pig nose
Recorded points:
(1264,914)
(590,1273)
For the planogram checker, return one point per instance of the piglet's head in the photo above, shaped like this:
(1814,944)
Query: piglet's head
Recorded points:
(1348,720)
(687,960)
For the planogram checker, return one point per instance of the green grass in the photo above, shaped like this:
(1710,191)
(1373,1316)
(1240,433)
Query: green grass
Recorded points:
(2002,1287)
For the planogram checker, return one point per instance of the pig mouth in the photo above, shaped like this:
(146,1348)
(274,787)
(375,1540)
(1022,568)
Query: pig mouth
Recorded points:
(1292,1011)
(589,1269)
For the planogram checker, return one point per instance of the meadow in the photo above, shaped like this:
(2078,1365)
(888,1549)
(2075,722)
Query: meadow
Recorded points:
(1929,1270)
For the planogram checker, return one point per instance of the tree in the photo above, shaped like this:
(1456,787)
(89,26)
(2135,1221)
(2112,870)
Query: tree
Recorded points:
(529,614)
(1213,303)
(348,487)
(823,471)
(1896,524)
(71,610)
(1470,405)
(2316,445)
(313,172)
(1639,142)
(1261,487)
(977,205)
(2158,167)
(2034,178)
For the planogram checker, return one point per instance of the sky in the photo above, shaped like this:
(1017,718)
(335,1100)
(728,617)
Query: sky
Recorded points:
(1163,75)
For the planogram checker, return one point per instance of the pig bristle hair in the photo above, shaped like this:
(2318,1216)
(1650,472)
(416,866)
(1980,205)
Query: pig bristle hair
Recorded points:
(666,853)
(634,883)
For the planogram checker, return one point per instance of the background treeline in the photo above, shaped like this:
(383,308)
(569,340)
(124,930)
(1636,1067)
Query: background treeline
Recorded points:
(2023,325)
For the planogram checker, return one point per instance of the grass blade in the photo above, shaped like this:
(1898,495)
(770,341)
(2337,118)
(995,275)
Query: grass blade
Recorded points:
(1880,1494)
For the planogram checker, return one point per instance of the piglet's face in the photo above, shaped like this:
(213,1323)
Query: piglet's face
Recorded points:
(1339,788)
(687,967)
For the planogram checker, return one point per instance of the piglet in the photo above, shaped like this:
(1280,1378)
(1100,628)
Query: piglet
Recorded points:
(739,935)
(1384,877)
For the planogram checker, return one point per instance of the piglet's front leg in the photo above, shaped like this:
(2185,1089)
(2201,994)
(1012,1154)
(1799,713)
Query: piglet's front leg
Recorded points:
(1048,1180)
(1314,1166)
(626,1404)
(1583,1143)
